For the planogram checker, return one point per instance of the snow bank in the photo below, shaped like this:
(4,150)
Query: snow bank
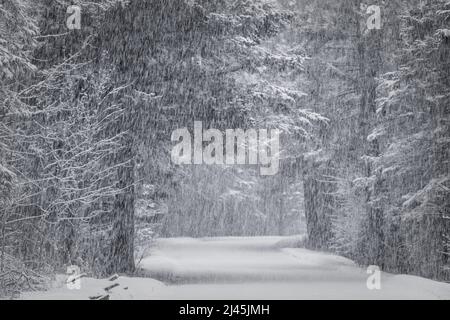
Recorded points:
(127,289)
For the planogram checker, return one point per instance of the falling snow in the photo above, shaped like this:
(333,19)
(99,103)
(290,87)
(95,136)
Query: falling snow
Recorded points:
(91,93)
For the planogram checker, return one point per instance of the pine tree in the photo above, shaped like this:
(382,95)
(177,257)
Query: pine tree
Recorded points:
(413,115)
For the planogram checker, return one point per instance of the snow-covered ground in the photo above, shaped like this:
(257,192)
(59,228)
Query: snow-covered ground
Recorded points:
(248,268)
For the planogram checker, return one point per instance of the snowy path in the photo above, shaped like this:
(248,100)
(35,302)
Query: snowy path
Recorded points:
(250,268)
(264,268)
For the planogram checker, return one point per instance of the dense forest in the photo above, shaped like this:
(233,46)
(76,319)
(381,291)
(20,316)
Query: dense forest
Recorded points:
(87,113)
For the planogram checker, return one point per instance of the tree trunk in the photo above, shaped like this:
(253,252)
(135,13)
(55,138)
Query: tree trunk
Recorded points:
(369,59)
